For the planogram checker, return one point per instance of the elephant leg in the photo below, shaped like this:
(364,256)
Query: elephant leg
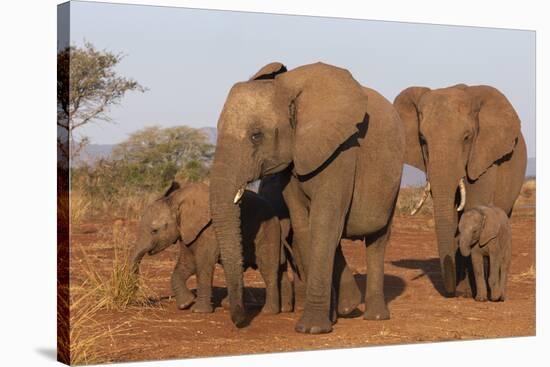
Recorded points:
(464,273)
(299,293)
(185,268)
(504,271)
(349,295)
(494,277)
(225,303)
(375,303)
(297,204)
(207,253)
(287,291)
(503,281)
(326,229)
(268,265)
(479,273)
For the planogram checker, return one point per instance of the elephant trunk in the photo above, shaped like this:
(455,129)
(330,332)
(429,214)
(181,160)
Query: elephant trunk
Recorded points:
(137,255)
(225,212)
(446,221)
(464,245)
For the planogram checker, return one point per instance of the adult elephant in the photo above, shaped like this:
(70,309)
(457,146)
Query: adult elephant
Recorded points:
(345,147)
(468,141)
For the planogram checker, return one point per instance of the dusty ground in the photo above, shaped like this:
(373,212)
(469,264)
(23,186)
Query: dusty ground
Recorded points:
(419,313)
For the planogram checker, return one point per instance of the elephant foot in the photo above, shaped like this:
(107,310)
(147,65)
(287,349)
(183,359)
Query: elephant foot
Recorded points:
(184,301)
(270,310)
(464,290)
(238,316)
(481,298)
(287,307)
(496,294)
(349,297)
(376,309)
(347,305)
(314,323)
(202,307)
(225,303)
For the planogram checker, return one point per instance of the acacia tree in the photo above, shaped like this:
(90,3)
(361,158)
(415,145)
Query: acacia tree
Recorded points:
(155,145)
(147,162)
(87,85)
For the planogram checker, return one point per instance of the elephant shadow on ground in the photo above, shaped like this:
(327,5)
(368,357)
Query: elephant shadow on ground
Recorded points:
(254,300)
(253,297)
(429,268)
(394,286)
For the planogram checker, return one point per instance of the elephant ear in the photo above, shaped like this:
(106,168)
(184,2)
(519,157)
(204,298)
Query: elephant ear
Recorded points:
(490,226)
(498,129)
(193,211)
(269,71)
(406,104)
(327,107)
(173,187)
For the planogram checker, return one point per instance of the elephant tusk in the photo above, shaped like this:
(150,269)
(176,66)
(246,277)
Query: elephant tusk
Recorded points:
(238,195)
(422,199)
(462,195)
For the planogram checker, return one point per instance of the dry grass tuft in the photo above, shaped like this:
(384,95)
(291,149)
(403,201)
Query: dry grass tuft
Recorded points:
(121,287)
(125,205)
(117,289)
(80,206)
(529,274)
(79,331)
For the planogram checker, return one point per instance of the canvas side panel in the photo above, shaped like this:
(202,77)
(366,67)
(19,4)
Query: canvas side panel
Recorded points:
(63,208)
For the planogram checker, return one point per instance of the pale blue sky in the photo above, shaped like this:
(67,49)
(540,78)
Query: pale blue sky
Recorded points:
(190,58)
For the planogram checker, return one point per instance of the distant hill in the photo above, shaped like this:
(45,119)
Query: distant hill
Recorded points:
(94,152)
(411,175)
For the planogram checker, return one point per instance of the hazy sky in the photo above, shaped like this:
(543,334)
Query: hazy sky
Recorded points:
(189,59)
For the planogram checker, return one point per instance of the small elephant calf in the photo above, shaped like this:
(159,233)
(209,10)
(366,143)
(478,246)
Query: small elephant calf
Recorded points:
(485,232)
(182,216)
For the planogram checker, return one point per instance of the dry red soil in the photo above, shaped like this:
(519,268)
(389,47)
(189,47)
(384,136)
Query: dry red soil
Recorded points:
(419,312)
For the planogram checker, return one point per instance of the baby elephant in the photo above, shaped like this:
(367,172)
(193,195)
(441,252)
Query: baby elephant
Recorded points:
(485,232)
(182,216)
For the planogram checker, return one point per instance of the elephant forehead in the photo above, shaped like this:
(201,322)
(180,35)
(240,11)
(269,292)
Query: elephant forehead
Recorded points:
(447,100)
(251,95)
(470,216)
(247,106)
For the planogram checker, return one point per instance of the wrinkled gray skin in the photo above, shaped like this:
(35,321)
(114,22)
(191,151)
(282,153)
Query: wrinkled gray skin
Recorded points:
(345,147)
(182,217)
(485,232)
(469,132)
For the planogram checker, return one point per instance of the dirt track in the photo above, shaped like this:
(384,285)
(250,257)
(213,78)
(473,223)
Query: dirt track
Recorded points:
(419,312)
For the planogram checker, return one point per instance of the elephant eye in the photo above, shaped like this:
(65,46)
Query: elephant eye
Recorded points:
(256,137)
(467,136)
(154,231)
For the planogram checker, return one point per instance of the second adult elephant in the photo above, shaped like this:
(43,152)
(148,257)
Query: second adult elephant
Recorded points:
(344,146)
(468,141)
